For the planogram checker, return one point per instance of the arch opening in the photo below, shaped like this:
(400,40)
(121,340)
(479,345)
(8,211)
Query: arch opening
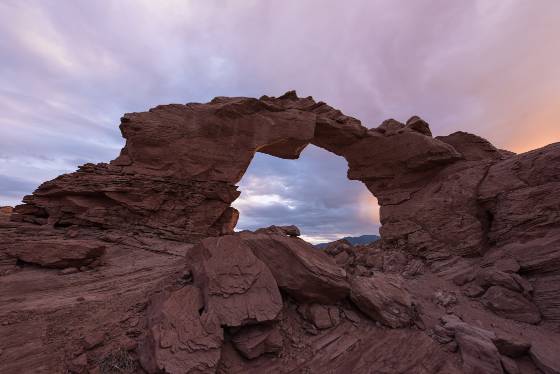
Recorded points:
(311,192)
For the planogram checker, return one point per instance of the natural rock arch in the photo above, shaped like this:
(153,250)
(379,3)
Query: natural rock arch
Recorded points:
(176,175)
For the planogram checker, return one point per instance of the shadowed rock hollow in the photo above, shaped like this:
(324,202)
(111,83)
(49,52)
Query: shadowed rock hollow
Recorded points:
(465,278)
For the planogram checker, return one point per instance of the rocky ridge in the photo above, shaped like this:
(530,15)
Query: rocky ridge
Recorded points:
(133,266)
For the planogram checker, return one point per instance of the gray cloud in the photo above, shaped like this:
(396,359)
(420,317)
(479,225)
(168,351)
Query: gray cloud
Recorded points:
(311,192)
(12,189)
(71,68)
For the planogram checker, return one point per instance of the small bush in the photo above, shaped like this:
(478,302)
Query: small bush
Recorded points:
(118,362)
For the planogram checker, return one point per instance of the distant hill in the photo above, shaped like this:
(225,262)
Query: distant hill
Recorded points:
(354,240)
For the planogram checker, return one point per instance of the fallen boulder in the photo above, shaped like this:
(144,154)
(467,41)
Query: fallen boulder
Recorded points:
(338,246)
(509,365)
(179,338)
(494,277)
(321,316)
(383,298)
(237,287)
(478,352)
(254,341)
(300,269)
(290,230)
(511,346)
(546,357)
(510,304)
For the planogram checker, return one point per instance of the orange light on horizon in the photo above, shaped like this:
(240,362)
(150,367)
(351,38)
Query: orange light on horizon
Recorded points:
(537,130)
(369,207)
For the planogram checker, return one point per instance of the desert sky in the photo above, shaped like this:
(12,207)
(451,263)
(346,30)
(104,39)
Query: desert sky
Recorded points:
(70,69)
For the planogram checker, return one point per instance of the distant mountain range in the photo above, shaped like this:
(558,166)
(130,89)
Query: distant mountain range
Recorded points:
(354,240)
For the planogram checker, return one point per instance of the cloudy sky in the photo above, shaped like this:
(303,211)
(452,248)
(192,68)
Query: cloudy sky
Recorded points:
(69,69)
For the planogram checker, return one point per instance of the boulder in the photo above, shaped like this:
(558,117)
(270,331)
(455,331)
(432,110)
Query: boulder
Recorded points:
(509,365)
(338,246)
(478,352)
(179,338)
(300,269)
(394,261)
(321,316)
(254,341)
(510,345)
(383,298)
(418,124)
(342,258)
(79,364)
(93,340)
(445,298)
(238,288)
(510,304)
(280,230)
(525,286)
(493,277)
(473,290)
(57,253)
(464,276)
(545,356)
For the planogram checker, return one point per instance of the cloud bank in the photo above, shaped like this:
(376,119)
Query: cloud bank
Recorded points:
(311,192)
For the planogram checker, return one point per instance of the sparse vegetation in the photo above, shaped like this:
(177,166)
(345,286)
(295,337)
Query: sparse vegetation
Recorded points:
(119,361)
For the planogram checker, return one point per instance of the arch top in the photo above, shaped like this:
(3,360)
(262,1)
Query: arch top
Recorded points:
(217,140)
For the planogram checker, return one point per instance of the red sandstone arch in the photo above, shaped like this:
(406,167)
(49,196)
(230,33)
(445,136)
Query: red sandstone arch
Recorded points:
(176,175)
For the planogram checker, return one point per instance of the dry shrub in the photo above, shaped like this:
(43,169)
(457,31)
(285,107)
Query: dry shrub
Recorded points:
(118,362)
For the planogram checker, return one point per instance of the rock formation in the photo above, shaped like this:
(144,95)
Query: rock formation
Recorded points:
(134,265)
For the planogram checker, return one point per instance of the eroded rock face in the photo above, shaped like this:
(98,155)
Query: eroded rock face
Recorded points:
(57,253)
(180,339)
(520,193)
(5,211)
(384,299)
(237,287)
(107,196)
